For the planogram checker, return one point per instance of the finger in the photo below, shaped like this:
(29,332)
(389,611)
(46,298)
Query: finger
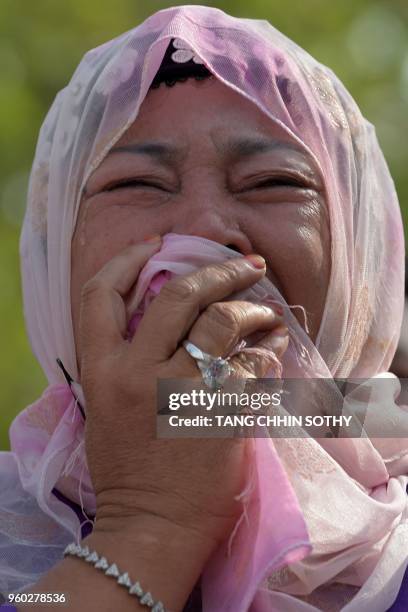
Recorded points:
(102,323)
(179,303)
(266,355)
(223,324)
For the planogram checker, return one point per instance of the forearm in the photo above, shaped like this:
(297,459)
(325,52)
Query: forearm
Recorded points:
(161,557)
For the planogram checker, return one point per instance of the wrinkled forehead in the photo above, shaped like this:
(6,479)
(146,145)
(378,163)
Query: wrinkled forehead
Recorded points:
(207,120)
(171,118)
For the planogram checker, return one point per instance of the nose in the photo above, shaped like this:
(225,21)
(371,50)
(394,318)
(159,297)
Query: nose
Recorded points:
(214,223)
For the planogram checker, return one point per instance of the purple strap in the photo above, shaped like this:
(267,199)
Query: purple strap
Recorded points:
(86,529)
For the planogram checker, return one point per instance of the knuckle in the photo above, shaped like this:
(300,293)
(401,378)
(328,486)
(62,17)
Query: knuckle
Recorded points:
(223,315)
(93,287)
(263,363)
(245,362)
(255,364)
(178,289)
(228,272)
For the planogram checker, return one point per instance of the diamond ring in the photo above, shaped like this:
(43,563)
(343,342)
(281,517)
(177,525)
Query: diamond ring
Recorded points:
(214,370)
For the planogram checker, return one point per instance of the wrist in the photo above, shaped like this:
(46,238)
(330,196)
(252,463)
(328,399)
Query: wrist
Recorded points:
(154,533)
(157,517)
(165,558)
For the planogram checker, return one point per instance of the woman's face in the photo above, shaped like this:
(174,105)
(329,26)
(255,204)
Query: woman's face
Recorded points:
(202,160)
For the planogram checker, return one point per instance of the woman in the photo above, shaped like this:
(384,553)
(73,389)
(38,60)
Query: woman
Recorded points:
(262,154)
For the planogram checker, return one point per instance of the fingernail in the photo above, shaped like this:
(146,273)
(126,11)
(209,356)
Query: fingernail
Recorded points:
(257,261)
(152,238)
(278,309)
(281,330)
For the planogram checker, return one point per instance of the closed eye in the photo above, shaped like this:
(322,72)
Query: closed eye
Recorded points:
(133,183)
(279,181)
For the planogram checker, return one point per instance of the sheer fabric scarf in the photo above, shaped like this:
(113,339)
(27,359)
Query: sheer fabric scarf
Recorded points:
(346,497)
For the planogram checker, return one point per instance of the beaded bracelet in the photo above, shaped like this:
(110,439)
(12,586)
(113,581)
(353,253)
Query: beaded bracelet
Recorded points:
(145,598)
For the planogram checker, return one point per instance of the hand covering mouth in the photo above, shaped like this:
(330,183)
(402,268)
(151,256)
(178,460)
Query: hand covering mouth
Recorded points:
(135,313)
(173,261)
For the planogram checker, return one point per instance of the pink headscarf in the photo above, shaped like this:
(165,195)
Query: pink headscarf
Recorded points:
(346,498)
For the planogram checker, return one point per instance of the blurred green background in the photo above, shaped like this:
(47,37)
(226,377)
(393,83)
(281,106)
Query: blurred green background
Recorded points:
(363,41)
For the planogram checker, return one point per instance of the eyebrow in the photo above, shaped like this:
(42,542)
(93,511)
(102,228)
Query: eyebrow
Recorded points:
(160,151)
(246,147)
(236,148)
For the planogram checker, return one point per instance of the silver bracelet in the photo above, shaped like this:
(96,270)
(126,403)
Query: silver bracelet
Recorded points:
(145,598)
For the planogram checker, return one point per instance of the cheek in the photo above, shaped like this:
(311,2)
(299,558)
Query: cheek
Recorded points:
(96,240)
(311,276)
(108,227)
(102,231)
(303,264)
(297,248)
